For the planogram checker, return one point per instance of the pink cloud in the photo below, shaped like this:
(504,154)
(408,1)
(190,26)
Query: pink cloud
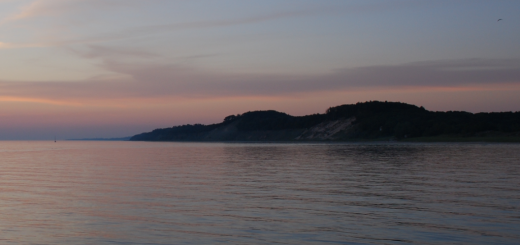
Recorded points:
(155,80)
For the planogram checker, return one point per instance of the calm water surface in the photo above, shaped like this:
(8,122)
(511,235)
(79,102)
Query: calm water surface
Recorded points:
(197,193)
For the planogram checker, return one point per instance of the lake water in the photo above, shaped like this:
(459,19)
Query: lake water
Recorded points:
(210,193)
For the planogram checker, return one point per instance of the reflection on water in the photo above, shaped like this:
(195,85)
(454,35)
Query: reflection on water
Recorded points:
(195,193)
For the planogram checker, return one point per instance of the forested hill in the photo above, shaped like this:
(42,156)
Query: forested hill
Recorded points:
(372,120)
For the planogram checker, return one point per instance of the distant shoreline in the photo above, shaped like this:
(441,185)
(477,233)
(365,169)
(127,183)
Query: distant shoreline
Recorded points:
(410,140)
(101,139)
(440,139)
(464,139)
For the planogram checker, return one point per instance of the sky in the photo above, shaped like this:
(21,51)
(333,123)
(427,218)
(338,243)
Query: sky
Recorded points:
(115,68)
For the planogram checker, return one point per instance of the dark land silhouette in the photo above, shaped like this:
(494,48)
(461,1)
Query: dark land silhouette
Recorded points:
(367,121)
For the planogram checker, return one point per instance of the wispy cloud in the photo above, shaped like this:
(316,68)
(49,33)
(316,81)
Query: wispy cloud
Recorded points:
(105,52)
(17,46)
(39,8)
(170,81)
(36,8)
(38,100)
(133,32)
(60,8)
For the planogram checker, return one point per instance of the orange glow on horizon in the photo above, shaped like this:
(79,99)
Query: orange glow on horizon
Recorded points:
(39,101)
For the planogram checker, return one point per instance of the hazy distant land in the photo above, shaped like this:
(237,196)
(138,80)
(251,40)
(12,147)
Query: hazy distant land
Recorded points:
(368,121)
(104,139)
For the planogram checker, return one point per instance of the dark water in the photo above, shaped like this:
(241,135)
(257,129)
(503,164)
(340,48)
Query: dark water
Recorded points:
(175,193)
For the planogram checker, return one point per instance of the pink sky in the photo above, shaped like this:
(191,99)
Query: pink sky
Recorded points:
(114,68)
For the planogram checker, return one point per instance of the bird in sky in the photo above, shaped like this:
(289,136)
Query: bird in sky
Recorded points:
(499,20)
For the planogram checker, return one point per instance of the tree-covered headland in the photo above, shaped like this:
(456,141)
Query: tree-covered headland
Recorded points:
(372,120)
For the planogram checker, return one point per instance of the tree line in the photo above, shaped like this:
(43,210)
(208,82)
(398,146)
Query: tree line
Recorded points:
(374,119)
